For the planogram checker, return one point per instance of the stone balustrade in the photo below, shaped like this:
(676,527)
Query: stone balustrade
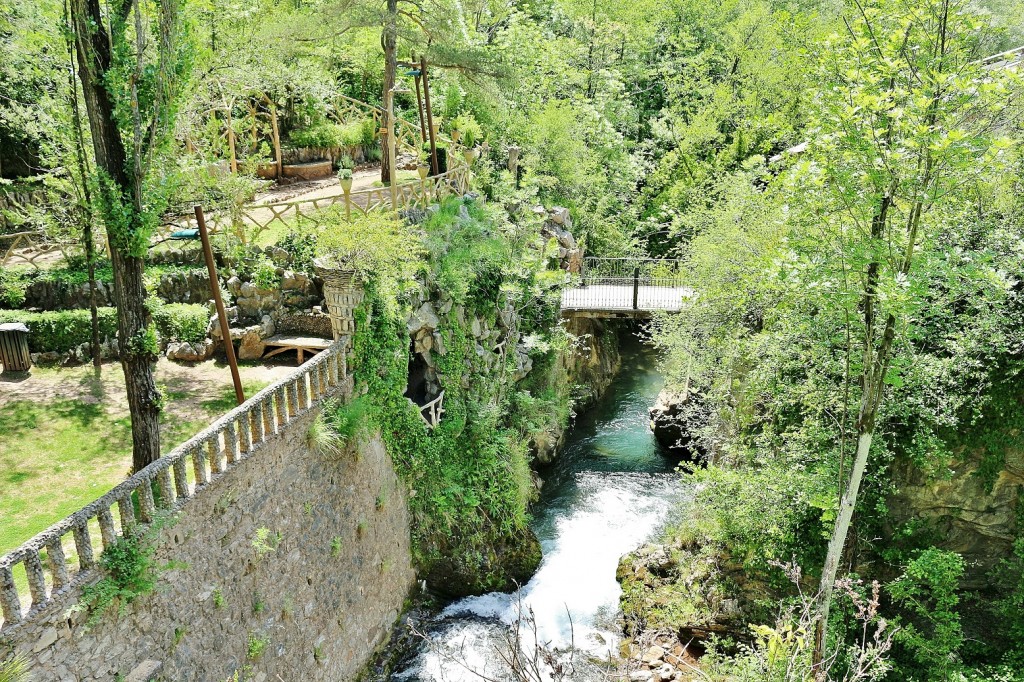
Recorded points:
(164,486)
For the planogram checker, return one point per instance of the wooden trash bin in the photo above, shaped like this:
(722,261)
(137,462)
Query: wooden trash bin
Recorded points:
(14,347)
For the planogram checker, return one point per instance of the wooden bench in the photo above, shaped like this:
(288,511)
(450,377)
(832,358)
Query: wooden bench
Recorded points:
(300,344)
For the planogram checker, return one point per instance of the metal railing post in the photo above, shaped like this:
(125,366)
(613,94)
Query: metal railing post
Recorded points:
(636,286)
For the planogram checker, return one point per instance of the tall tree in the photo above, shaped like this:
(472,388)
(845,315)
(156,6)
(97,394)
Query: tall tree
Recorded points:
(904,127)
(127,94)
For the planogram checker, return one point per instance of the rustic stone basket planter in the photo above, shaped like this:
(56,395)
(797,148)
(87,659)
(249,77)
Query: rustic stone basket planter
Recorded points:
(343,292)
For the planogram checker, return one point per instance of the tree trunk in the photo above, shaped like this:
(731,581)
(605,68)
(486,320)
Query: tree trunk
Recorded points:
(389,41)
(93,47)
(86,198)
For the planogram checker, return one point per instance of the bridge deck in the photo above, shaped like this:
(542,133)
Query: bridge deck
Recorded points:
(619,298)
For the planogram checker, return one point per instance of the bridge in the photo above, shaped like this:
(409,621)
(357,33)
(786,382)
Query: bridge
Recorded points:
(627,287)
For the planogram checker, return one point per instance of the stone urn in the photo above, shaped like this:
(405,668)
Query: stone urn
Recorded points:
(456,135)
(346,184)
(470,155)
(343,291)
(423,169)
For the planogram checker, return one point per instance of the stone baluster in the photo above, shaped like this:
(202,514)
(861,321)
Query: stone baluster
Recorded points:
(303,392)
(293,398)
(181,477)
(231,449)
(266,410)
(213,448)
(58,563)
(9,602)
(127,511)
(244,436)
(334,367)
(281,405)
(36,579)
(147,508)
(83,545)
(107,530)
(166,488)
(199,464)
(256,424)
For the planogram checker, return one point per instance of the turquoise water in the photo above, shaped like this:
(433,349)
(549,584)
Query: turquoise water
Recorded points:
(611,490)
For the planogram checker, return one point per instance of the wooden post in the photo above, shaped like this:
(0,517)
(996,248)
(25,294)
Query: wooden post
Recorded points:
(277,138)
(430,115)
(419,111)
(231,142)
(222,316)
(393,185)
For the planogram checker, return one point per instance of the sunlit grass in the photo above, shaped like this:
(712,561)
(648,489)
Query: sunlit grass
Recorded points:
(58,456)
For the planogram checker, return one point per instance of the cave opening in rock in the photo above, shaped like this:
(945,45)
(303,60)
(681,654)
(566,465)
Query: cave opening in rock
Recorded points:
(416,389)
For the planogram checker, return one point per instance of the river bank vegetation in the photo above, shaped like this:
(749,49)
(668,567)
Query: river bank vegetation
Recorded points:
(843,181)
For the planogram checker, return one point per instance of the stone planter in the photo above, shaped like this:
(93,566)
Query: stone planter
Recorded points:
(343,293)
(346,184)
(423,169)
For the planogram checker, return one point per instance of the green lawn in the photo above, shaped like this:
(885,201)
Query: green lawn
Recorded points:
(58,456)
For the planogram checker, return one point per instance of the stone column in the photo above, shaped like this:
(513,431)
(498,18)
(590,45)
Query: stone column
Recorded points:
(344,293)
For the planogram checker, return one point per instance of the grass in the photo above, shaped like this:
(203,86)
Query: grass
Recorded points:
(58,456)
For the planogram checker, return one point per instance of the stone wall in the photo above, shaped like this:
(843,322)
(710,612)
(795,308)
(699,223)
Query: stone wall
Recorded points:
(322,597)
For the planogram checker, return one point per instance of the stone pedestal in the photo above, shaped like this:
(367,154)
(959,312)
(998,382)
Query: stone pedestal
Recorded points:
(343,293)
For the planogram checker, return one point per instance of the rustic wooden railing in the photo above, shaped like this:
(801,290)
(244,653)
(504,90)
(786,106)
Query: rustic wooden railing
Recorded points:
(432,411)
(28,248)
(164,486)
(247,223)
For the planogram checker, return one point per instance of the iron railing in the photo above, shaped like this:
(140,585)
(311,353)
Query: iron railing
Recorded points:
(638,284)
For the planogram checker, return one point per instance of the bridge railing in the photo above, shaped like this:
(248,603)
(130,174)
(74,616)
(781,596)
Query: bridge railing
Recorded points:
(40,568)
(639,284)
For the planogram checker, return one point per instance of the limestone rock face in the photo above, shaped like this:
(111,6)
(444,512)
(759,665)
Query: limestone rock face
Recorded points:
(508,563)
(969,519)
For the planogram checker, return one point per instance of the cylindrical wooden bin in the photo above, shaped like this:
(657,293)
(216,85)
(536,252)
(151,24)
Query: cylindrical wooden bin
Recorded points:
(14,347)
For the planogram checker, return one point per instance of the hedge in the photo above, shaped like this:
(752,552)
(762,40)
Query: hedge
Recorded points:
(60,331)
(181,321)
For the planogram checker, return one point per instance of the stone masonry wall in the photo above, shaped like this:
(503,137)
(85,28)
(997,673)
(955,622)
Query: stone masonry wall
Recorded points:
(321,591)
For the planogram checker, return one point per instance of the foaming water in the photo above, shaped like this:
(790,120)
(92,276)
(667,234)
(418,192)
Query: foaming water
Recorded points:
(611,490)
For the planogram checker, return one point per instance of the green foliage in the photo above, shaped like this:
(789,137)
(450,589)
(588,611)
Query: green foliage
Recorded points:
(15,669)
(472,133)
(129,573)
(61,331)
(376,245)
(265,275)
(257,645)
(332,135)
(322,438)
(181,321)
(265,541)
(929,590)
(13,283)
(301,246)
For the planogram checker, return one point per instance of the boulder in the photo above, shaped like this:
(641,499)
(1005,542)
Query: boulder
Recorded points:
(190,352)
(423,318)
(674,418)
(251,346)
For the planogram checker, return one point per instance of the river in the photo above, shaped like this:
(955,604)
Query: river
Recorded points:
(611,490)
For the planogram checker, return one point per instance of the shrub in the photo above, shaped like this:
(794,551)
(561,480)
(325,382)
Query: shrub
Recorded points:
(13,284)
(327,135)
(181,321)
(471,131)
(60,331)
